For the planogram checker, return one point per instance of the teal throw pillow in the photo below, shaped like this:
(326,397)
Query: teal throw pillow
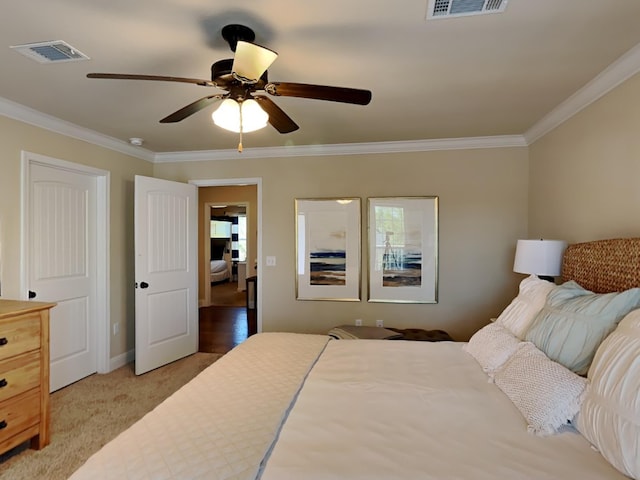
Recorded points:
(574,322)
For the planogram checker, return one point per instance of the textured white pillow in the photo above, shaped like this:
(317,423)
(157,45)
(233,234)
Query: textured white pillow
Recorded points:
(523,309)
(491,346)
(610,415)
(547,394)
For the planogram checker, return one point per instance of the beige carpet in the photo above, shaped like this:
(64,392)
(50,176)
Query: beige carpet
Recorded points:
(89,413)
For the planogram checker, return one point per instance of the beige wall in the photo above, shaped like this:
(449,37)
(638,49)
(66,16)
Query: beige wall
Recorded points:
(246,195)
(578,182)
(584,175)
(483,211)
(15,137)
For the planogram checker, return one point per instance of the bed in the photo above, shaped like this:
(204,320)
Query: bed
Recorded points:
(220,267)
(219,271)
(298,406)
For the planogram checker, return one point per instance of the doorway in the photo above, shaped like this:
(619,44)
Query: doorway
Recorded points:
(215,192)
(232,252)
(229,253)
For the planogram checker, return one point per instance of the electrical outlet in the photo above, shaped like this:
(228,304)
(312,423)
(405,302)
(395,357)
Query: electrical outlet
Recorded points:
(358,322)
(379,323)
(271,261)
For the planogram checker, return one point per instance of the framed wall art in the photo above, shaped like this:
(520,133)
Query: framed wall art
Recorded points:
(403,249)
(328,249)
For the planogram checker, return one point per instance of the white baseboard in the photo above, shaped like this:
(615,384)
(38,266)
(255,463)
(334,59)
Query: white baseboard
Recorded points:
(121,360)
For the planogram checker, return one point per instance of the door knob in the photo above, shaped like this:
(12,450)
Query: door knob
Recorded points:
(32,294)
(144,285)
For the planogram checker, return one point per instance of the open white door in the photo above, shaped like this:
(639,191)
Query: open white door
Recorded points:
(62,266)
(166,249)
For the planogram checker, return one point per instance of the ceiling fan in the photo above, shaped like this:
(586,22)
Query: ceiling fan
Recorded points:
(244,78)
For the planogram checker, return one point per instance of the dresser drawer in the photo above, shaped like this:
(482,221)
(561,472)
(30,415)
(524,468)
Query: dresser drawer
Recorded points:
(18,414)
(19,335)
(19,374)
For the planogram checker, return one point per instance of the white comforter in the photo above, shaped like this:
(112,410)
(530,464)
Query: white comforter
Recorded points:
(221,424)
(218,266)
(369,409)
(377,409)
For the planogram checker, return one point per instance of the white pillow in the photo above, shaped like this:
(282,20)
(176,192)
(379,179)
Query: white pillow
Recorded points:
(547,394)
(610,415)
(491,346)
(523,309)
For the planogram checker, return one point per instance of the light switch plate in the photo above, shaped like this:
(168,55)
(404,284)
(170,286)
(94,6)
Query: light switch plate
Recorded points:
(271,261)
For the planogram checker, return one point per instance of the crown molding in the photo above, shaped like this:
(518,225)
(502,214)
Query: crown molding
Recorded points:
(500,141)
(622,69)
(33,117)
(47,122)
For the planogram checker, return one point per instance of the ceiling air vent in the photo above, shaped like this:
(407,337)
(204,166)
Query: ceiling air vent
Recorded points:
(459,8)
(50,52)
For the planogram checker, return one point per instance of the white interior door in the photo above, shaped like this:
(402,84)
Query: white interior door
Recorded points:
(166,253)
(62,266)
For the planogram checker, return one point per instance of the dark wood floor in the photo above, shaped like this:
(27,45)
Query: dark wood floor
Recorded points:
(224,327)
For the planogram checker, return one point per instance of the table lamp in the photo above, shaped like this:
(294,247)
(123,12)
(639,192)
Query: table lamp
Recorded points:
(539,257)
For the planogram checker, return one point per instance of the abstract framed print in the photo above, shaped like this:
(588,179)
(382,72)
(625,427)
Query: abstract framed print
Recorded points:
(328,249)
(403,249)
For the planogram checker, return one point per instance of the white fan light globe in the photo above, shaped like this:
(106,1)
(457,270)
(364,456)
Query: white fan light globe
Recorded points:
(227,116)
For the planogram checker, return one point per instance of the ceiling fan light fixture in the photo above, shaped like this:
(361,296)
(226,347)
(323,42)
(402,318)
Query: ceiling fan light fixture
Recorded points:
(251,61)
(227,116)
(245,78)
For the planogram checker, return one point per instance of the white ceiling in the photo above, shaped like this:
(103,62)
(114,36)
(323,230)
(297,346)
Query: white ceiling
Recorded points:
(459,77)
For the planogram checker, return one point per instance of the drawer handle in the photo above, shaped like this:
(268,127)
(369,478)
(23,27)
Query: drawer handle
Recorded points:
(3,341)
(3,424)
(3,383)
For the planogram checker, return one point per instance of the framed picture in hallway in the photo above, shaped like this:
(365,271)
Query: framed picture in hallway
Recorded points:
(403,249)
(328,249)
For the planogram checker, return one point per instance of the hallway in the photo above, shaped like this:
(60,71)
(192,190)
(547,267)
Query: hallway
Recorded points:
(226,293)
(223,327)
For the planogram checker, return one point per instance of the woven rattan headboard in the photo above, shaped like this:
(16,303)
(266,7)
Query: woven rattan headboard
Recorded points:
(603,266)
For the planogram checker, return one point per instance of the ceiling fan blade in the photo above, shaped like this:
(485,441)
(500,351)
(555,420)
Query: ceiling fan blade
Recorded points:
(129,76)
(251,61)
(319,92)
(192,108)
(277,118)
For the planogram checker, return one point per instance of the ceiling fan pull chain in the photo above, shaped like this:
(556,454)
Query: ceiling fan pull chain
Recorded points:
(240,144)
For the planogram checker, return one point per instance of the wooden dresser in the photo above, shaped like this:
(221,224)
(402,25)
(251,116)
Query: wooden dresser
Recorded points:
(24,373)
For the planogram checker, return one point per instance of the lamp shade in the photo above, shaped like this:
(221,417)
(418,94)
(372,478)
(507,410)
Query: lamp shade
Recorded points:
(227,116)
(539,257)
(252,60)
